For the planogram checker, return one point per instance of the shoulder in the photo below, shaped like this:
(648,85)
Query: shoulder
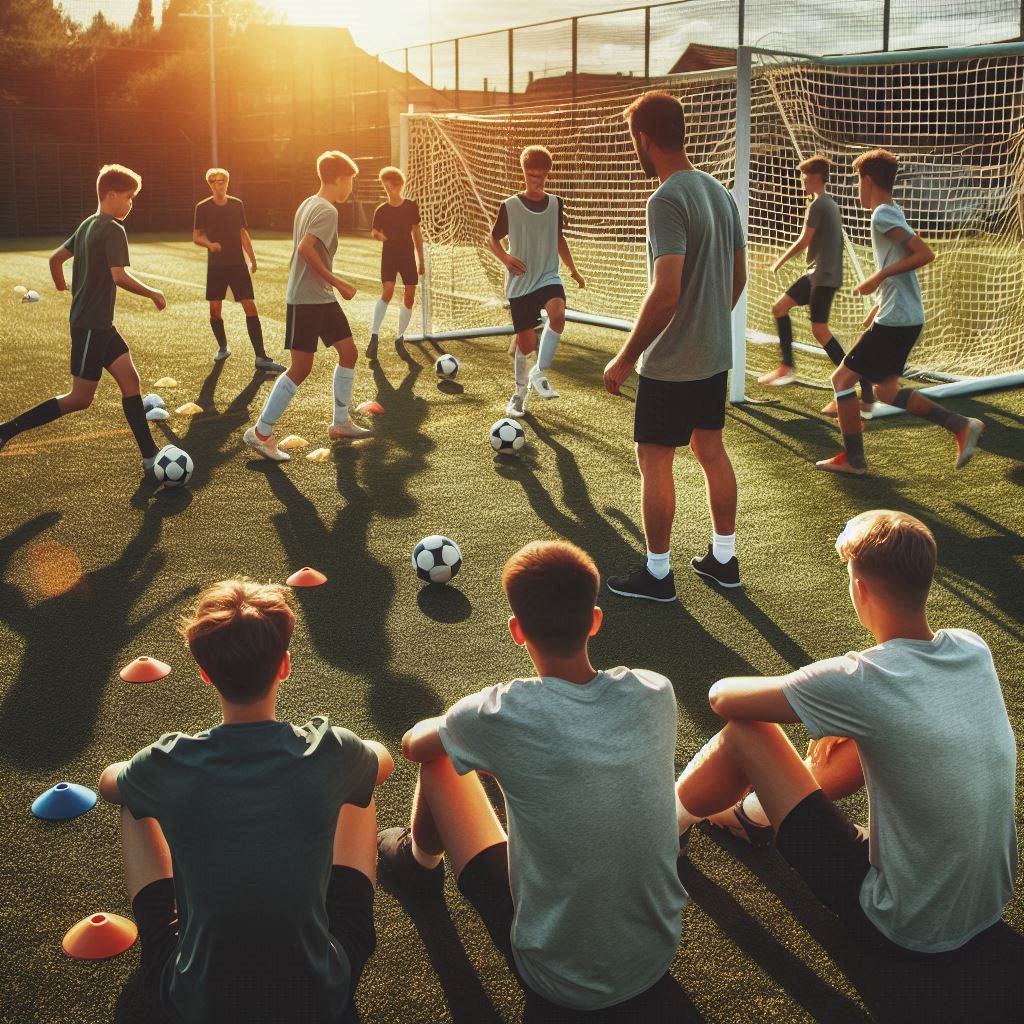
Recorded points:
(966,640)
(843,666)
(204,202)
(171,746)
(234,200)
(379,208)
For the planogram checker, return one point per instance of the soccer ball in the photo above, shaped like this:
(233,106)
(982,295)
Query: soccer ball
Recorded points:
(507,436)
(173,467)
(152,401)
(436,559)
(447,366)
(30,296)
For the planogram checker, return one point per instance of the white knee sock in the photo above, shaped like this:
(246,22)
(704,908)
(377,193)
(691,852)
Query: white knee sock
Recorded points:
(520,370)
(380,310)
(344,378)
(659,566)
(723,546)
(404,316)
(277,401)
(548,343)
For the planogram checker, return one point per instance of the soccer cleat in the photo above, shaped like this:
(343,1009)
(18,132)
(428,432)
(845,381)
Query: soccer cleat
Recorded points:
(867,410)
(640,583)
(967,441)
(839,464)
(401,351)
(221,354)
(540,384)
(269,366)
(725,574)
(371,349)
(736,821)
(347,429)
(394,847)
(778,377)
(516,407)
(268,448)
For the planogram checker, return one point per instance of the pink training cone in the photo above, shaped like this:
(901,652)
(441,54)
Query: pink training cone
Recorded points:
(145,670)
(99,936)
(306,577)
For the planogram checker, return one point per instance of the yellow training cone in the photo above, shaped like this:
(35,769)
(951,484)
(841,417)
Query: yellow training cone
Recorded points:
(293,441)
(320,455)
(165,382)
(189,409)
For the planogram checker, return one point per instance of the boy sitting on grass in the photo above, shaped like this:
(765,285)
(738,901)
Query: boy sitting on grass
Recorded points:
(249,849)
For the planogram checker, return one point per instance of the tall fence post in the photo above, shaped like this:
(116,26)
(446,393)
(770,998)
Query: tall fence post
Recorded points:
(407,100)
(741,193)
(458,95)
(886,17)
(511,69)
(742,16)
(575,54)
(647,43)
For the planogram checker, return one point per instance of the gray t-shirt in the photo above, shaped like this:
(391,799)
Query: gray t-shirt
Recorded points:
(588,774)
(939,762)
(899,297)
(825,253)
(315,216)
(693,215)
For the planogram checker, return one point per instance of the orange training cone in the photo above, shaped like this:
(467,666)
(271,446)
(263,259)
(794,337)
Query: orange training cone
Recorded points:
(373,407)
(306,577)
(145,670)
(99,936)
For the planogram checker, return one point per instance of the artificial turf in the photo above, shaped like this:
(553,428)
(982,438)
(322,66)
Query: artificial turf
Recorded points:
(96,569)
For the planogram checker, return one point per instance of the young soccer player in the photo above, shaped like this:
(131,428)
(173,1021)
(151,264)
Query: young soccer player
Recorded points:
(100,250)
(893,325)
(534,222)
(822,237)
(248,849)
(396,223)
(220,228)
(313,313)
(924,712)
(696,259)
(582,896)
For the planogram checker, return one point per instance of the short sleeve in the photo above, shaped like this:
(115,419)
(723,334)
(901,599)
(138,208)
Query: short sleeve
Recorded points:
(500,229)
(199,220)
(377,219)
(70,243)
(140,781)
(117,247)
(738,241)
(359,768)
(829,697)
(887,217)
(464,733)
(242,222)
(666,227)
(414,213)
(815,215)
(323,224)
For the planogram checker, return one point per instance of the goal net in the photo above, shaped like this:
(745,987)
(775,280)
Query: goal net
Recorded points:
(955,119)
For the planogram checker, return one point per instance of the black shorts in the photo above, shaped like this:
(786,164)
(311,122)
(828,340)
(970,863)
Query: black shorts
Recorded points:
(308,323)
(349,918)
(398,264)
(93,349)
(804,292)
(882,351)
(526,309)
(668,411)
(219,279)
(484,882)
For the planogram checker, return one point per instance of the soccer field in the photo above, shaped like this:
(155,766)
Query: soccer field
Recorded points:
(96,570)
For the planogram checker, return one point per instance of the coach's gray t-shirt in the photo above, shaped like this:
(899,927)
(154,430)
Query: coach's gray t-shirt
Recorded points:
(315,216)
(588,774)
(899,297)
(939,762)
(692,215)
(825,253)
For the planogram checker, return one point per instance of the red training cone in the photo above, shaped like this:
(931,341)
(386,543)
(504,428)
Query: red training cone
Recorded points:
(98,936)
(306,577)
(145,670)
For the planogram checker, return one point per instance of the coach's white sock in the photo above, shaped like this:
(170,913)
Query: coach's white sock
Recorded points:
(404,316)
(520,370)
(380,310)
(343,381)
(684,817)
(277,401)
(425,860)
(658,565)
(723,546)
(753,810)
(548,343)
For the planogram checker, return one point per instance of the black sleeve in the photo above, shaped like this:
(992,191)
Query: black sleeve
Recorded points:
(375,224)
(243,223)
(414,214)
(500,229)
(199,221)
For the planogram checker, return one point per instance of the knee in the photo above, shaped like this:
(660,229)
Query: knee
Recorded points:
(74,403)
(216,311)
(780,309)
(887,390)
(249,307)
(387,292)
(557,322)
(822,333)
(654,459)
(297,374)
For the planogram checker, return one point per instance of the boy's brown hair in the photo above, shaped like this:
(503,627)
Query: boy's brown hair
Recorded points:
(117,178)
(238,633)
(659,115)
(391,174)
(333,164)
(880,166)
(816,165)
(536,158)
(217,171)
(551,587)
(893,549)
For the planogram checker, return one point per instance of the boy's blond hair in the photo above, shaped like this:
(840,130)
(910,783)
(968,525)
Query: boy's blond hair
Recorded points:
(391,174)
(117,178)
(333,164)
(880,166)
(215,171)
(536,158)
(816,165)
(893,549)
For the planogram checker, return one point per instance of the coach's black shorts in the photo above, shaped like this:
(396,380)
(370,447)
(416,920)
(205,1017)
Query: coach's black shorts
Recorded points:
(219,279)
(668,411)
(882,351)
(804,292)
(349,919)
(307,323)
(93,349)
(526,308)
(395,265)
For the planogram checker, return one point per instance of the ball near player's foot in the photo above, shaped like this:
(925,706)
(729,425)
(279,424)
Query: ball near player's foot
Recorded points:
(173,467)
(507,437)
(447,367)
(436,559)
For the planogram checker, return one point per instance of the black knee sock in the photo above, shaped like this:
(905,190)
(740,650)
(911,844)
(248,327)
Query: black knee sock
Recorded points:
(867,391)
(785,327)
(255,329)
(217,326)
(45,412)
(834,351)
(135,414)
(934,413)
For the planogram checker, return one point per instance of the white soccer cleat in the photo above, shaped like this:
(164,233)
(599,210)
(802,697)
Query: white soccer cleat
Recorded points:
(347,429)
(777,378)
(268,448)
(540,384)
(516,407)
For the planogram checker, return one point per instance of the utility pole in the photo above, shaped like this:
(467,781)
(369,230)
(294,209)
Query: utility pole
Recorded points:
(210,16)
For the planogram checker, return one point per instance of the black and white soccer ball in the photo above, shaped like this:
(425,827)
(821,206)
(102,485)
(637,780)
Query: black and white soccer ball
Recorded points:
(507,436)
(173,467)
(447,366)
(436,559)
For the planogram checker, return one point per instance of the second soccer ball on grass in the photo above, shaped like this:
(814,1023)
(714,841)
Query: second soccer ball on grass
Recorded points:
(447,367)
(507,437)
(436,559)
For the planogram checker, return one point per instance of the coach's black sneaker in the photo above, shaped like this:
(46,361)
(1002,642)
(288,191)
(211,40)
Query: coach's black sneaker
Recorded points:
(725,575)
(371,349)
(267,365)
(640,583)
(394,845)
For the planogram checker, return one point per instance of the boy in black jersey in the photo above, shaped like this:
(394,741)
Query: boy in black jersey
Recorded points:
(396,223)
(220,228)
(100,249)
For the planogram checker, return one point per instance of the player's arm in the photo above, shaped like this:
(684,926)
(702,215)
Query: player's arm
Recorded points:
(200,239)
(131,284)
(496,243)
(108,787)
(806,236)
(417,239)
(566,256)
(385,762)
(57,260)
(918,255)
(739,275)
(752,699)
(307,250)
(243,234)
(423,741)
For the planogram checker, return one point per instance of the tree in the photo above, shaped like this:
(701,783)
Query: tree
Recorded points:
(142,23)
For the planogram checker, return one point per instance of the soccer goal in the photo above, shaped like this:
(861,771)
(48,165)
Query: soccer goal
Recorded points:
(955,118)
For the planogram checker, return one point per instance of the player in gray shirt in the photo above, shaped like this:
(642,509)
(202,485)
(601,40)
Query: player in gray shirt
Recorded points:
(683,340)
(924,711)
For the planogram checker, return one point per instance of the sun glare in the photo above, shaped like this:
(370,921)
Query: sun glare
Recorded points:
(375,27)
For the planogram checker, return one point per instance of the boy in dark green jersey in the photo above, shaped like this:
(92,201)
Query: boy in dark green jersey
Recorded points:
(100,249)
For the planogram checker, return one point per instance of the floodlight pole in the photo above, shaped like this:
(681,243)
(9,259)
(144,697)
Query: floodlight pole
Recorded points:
(213,81)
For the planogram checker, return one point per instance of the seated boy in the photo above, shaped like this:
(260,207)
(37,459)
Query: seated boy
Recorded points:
(936,865)
(248,849)
(582,896)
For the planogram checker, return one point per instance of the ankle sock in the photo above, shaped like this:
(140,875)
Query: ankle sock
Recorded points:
(659,565)
(723,546)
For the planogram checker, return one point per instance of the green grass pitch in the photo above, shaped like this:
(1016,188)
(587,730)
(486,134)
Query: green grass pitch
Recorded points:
(376,650)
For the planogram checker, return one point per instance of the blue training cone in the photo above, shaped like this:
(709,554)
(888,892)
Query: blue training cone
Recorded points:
(63,801)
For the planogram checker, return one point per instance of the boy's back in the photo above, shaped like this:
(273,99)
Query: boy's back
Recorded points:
(98,244)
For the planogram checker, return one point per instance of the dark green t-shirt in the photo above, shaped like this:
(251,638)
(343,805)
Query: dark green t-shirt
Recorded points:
(249,813)
(222,224)
(98,244)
